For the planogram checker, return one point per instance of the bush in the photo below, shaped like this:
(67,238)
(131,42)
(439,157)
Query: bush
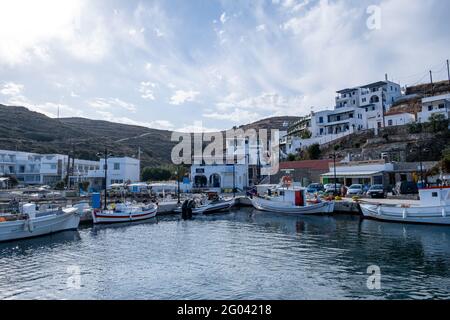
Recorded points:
(314,152)
(156,174)
(414,127)
(437,123)
(306,134)
(446,160)
(60,185)
(291,157)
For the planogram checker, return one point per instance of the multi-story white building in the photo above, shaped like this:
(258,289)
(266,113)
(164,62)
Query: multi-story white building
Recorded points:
(120,170)
(434,105)
(358,108)
(48,169)
(42,169)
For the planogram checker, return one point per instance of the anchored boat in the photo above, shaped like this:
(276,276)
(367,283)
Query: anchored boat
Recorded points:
(434,208)
(124,212)
(32,223)
(292,201)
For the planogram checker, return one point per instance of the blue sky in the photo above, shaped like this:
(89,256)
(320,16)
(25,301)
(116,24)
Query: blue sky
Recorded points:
(206,65)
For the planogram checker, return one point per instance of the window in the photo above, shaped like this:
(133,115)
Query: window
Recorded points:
(390,123)
(320,119)
(116,166)
(430,108)
(364,99)
(338,118)
(354,101)
(441,106)
(350,115)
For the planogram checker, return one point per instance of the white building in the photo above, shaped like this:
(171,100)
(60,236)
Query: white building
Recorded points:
(361,172)
(42,169)
(358,108)
(434,105)
(120,170)
(399,118)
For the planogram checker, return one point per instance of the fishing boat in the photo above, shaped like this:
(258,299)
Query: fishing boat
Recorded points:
(434,208)
(124,212)
(32,222)
(209,207)
(294,201)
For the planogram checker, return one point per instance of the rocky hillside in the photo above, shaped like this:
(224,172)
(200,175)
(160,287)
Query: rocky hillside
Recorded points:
(24,130)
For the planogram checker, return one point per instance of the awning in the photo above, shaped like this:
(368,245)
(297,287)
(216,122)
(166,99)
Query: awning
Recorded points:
(351,174)
(4,179)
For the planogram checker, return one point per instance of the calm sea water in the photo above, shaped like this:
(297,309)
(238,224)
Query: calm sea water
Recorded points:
(245,254)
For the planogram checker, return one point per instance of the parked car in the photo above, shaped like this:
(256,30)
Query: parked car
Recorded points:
(355,190)
(330,188)
(315,187)
(406,187)
(377,191)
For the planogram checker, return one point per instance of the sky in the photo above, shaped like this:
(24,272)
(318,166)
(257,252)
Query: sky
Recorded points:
(204,65)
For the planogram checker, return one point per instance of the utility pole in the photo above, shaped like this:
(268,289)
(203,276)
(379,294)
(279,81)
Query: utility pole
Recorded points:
(448,71)
(431,80)
(106,176)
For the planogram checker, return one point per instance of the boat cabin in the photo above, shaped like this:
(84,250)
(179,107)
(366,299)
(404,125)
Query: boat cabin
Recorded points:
(297,197)
(435,196)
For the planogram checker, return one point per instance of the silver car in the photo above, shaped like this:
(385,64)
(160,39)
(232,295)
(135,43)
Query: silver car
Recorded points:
(355,190)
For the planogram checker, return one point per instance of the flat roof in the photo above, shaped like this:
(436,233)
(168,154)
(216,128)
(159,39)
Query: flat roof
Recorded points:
(375,84)
(352,174)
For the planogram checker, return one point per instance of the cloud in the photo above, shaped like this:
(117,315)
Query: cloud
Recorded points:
(223,18)
(156,124)
(236,116)
(146,90)
(101,103)
(182,96)
(11,89)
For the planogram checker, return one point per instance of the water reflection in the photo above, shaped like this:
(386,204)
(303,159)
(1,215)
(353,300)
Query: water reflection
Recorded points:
(245,254)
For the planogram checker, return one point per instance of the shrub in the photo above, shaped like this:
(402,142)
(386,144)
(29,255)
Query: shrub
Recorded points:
(155,174)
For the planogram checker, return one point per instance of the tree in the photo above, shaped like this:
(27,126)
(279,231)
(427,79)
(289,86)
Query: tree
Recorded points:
(291,157)
(156,174)
(414,127)
(60,185)
(306,134)
(314,152)
(437,123)
(446,160)
(84,185)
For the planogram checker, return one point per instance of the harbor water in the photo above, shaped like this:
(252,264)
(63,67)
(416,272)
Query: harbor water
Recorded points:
(244,254)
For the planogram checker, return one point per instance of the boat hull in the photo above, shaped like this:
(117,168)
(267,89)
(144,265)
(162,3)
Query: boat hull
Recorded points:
(39,226)
(219,207)
(424,215)
(101,217)
(280,207)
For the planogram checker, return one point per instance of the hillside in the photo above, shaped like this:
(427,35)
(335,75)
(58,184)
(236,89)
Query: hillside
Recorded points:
(24,130)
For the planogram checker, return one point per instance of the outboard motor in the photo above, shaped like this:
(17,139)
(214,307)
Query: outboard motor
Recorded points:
(184,209)
(190,205)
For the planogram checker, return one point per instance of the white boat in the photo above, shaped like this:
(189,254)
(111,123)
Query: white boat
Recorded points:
(32,223)
(214,206)
(210,207)
(292,201)
(434,208)
(124,212)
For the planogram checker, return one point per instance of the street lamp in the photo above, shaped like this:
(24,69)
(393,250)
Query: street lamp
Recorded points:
(420,149)
(105,167)
(333,156)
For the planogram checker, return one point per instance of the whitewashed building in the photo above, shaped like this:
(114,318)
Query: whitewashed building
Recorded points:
(399,118)
(434,105)
(42,169)
(120,170)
